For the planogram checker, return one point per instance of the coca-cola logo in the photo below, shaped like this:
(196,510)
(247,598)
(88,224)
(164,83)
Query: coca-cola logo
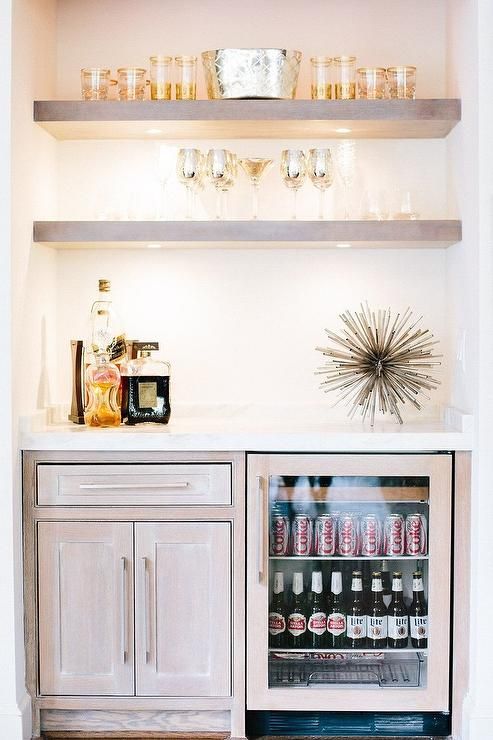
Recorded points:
(396,536)
(414,531)
(278,537)
(302,538)
(347,536)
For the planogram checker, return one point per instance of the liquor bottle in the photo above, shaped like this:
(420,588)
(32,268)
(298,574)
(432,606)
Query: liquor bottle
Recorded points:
(418,614)
(336,613)
(297,615)
(105,330)
(377,614)
(145,387)
(317,616)
(356,614)
(398,620)
(102,383)
(277,614)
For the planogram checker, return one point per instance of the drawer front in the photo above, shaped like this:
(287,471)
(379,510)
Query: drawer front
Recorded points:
(129,485)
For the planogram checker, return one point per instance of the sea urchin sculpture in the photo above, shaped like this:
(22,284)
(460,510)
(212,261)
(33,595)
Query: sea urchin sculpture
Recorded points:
(379,362)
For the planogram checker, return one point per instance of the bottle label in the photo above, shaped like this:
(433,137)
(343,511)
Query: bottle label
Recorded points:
(418,584)
(356,627)
(336,623)
(419,627)
(398,628)
(377,628)
(296,624)
(317,623)
(148,395)
(277,623)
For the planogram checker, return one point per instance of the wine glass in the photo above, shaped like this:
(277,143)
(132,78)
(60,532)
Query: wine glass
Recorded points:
(222,169)
(255,169)
(190,171)
(164,168)
(293,172)
(346,166)
(321,173)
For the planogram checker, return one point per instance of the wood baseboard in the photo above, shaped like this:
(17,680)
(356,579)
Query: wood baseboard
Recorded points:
(138,735)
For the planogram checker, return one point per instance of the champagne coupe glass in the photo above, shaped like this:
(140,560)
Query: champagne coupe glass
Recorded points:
(321,173)
(190,171)
(346,167)
(222,168)
(293,172)
(255,169)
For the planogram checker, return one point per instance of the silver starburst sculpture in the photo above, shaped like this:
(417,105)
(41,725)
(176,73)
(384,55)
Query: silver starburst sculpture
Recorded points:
(379,362)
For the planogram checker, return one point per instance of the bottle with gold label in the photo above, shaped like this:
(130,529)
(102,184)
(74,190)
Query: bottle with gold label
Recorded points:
(145,387)
(102,384)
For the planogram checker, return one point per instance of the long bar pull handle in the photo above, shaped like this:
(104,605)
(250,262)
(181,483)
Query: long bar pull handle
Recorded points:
(260,528)
(123,621)
(130,486)
(147,624)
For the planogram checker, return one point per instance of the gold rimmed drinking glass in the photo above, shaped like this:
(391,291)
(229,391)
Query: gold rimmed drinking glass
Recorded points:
(321,87)
(321,172)
(371,83)
(190,172)
(95,83)
(402,82)
(255,168)
(186,77)
(345,86)
(222,169)
(160,68)
(132,83)
(293,173)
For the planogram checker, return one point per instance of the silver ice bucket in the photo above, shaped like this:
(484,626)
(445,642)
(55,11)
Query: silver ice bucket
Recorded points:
(251,73)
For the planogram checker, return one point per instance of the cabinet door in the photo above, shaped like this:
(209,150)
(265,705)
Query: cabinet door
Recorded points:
(183,609)
(85,608)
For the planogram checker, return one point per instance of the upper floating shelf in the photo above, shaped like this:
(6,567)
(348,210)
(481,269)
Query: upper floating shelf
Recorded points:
(248,119)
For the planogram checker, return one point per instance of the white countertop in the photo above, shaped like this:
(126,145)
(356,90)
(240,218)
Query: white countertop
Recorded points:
(256,429)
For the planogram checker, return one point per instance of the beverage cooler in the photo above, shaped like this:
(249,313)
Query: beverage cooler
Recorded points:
(348,595)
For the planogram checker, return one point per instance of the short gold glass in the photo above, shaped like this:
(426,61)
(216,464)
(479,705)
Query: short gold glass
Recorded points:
(321,78)
(132,83)
(95,83)
(371,83)
(344,73)
(160,68)
(186,78)
(402,82)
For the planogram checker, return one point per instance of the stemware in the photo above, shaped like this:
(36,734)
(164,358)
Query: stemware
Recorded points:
(293,172)
(190,172)
(255,168)
(164,167)
(346,167)
(321,173)
(222,169)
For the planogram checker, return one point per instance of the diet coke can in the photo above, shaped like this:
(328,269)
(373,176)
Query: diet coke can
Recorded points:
(279,535)
(301,535)
(348,534)
(371,535)
(416,534)
(325,534)
(394,535)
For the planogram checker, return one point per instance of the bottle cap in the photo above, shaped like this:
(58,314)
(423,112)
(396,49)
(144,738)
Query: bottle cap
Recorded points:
(297,583)
(104,286)
(317,581)
(278,582)
(336,582)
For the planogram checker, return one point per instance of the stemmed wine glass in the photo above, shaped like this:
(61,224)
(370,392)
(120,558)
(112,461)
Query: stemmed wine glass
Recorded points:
(190,171)
(321,173)
(346,166)
(164,167)
(255,168)
(293,172)
(222,169)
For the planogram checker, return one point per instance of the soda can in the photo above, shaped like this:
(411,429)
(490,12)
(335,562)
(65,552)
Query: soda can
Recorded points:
(301,535)
(348,534)
(394,535)
(325,534)
(416,534)
(279,535)
(371,535)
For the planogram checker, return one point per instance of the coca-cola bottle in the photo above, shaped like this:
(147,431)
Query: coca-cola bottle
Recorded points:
(277,614)
(297,615)
(317,616)
(356,614)
(336,613)
(418,614)
(398,620)
(376,622)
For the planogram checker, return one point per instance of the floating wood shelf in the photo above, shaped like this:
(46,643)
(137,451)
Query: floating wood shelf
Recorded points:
(265,234)
(257,119)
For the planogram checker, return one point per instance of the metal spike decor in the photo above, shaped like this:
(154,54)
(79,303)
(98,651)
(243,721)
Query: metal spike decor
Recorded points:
(379,362)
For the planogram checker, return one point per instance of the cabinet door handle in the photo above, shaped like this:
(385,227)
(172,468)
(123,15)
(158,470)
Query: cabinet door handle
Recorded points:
(123,622)
(260,528)
(147,624)
(131,486)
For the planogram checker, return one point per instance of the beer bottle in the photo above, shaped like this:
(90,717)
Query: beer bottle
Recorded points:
(277,614)
(297,615)
(398,621)
(336,613)
(317,616)
(356,615)
(377,614)
(418,614)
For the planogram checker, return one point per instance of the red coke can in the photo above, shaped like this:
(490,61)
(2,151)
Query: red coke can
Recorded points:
(325,534)
(348,534)
(394,535)
(416,534)
(301,535)
(279,535)
(371,535)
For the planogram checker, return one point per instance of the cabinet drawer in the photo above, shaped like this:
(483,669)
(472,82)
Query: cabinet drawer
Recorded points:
(124,485)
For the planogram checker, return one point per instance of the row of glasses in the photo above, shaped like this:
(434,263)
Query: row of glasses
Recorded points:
(317,164)
(370,83)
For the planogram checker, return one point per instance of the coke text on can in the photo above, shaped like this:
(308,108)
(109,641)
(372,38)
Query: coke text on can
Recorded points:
(279,535)
(348,534)
(371,535)
(416,534)
(325,534)
(301,535)
(394,535)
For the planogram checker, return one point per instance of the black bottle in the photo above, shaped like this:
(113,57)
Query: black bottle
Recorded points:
(376,614)
(277,614)
(398,620)
(317,616)
(418,614)
(356,614)
(297,621)
(145,387)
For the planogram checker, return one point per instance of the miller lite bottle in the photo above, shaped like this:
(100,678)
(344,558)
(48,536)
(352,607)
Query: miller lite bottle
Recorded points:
(356,614)
(398,620)
(418,614)
(377,614)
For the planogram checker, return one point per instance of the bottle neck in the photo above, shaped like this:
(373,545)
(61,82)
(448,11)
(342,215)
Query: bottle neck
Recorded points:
(317,582)
(377,589)
(336,583)
(297,584)
(278,583)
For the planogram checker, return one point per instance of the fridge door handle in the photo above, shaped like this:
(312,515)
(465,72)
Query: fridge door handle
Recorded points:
(260,528)
(147,624)
(123,622)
